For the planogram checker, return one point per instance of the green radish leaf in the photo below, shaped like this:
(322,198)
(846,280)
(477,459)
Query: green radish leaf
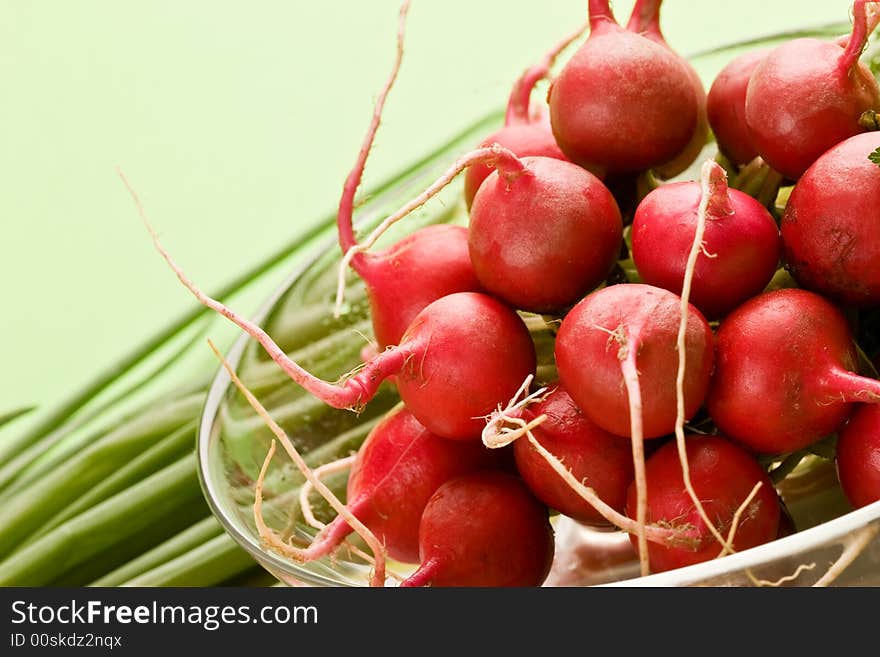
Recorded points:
(5,418)
(875,157)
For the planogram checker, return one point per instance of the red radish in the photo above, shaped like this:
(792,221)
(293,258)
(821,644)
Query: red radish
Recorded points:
(740,247)
(724,477)
(525,131)
(807,96)
(726,107)
(600,460)
(483,529)
(639,322)
(634,336)
(831,221)
(784,372)
(395,472)
(623,102)
(542,237)
(858,456)
(645,20)
(424,266)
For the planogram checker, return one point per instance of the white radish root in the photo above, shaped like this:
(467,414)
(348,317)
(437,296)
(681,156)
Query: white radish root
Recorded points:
(853,546)
(378,575)
(711,175)
(340,465)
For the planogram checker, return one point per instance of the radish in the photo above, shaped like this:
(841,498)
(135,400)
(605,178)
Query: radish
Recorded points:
(526,131)
(542,237)
(395,472)
(784,372)
(858,456)
(830,224)
(726,107)
(635,334)
(808,95)
(736,493)
(426,265)
(483,529)
(636,324)
(543,232)
(623,102)
(740,245)
(600,460)
(645,20)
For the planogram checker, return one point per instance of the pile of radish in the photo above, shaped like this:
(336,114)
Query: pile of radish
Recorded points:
(727,345)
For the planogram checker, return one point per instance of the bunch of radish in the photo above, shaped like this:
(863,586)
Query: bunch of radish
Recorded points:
(677,391)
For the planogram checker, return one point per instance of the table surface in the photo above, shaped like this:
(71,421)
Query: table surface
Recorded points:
(237,123)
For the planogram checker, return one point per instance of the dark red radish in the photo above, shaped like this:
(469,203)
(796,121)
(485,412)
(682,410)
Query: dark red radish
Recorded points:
(623,102)
(426,265)
(639,322)
(831,223)
(858,456)
(600,460)
(526,131)
(726,107)
(394,474)
(645,20)
(724,477)
(483,529)
(807,96)
(784,372)
(542,237)
(740,249)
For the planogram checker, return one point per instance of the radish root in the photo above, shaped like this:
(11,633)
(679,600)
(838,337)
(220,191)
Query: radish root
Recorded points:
(712,177)
(497,434)
(346,202)
(782,580)
(377,577)
(504,160)
(634,395)
(853,547)
(306,489)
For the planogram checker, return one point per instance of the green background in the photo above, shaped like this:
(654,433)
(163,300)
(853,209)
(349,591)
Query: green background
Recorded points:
(237,123)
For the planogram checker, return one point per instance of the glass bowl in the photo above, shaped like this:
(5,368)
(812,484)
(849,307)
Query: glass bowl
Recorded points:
(833,545)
